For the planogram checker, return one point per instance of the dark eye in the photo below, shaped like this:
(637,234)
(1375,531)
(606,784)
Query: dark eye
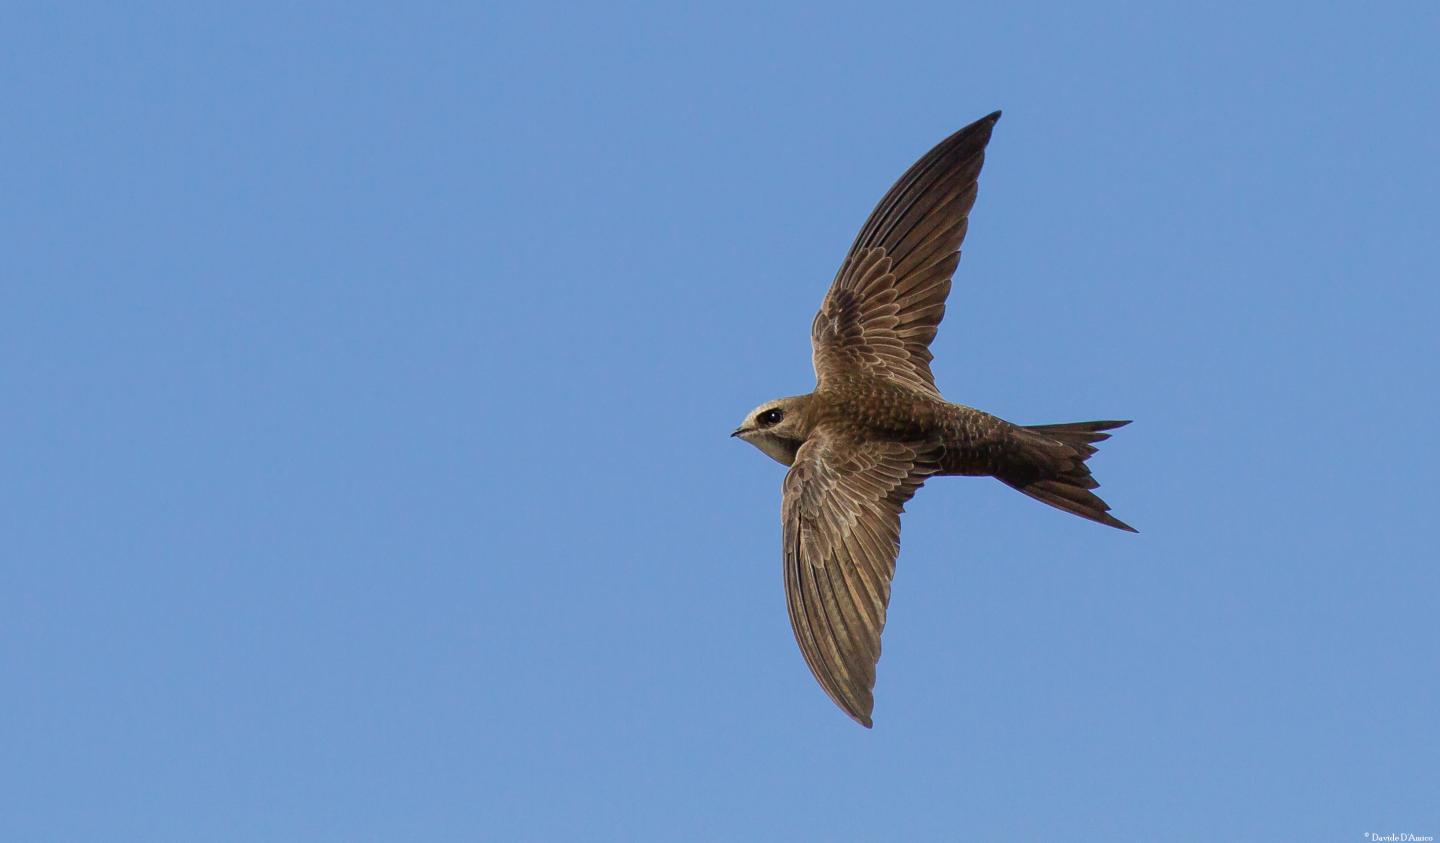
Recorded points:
(769,417)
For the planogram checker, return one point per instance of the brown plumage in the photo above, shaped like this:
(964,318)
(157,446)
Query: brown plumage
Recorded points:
(875,428)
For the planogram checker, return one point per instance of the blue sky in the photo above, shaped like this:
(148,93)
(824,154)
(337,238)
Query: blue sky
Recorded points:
(369,372)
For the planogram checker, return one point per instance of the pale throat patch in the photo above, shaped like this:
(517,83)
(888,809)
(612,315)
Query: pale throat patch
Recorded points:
(775,448)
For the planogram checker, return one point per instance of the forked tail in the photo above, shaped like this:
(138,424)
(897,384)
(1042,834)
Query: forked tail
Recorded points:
(1048,464)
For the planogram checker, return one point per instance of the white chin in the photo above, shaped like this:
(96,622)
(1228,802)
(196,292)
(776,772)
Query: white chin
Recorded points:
(773,447)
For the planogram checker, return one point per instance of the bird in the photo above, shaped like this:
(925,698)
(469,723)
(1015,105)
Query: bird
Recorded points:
(876,428)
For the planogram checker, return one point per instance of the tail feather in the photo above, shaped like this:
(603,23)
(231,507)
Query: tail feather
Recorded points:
(1048,464)
(1079,435)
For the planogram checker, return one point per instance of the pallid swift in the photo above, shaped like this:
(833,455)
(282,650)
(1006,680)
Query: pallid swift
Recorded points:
(875,428)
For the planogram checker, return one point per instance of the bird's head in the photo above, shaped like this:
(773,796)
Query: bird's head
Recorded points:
(776,427)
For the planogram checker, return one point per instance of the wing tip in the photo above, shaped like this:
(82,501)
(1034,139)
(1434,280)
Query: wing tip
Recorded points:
(1121,525)
(993,117)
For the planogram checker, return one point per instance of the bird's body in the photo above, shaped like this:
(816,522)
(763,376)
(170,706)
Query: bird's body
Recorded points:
(864,409)
(876,427)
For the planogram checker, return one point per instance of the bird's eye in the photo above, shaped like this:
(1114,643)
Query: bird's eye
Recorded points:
(769,417)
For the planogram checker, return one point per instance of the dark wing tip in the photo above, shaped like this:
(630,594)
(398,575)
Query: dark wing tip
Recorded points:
(977,133)
(861,717)
(1111,521)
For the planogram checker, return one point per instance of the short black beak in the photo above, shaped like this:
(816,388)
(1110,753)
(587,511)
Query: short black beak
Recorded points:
(738,431)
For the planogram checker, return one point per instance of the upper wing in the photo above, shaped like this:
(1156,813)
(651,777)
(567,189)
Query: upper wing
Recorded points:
(841,508)
(887,301)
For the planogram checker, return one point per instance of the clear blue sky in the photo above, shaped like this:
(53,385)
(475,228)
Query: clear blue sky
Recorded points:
(368,373)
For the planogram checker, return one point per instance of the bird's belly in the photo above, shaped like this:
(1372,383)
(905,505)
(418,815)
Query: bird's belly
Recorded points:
(970,461)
